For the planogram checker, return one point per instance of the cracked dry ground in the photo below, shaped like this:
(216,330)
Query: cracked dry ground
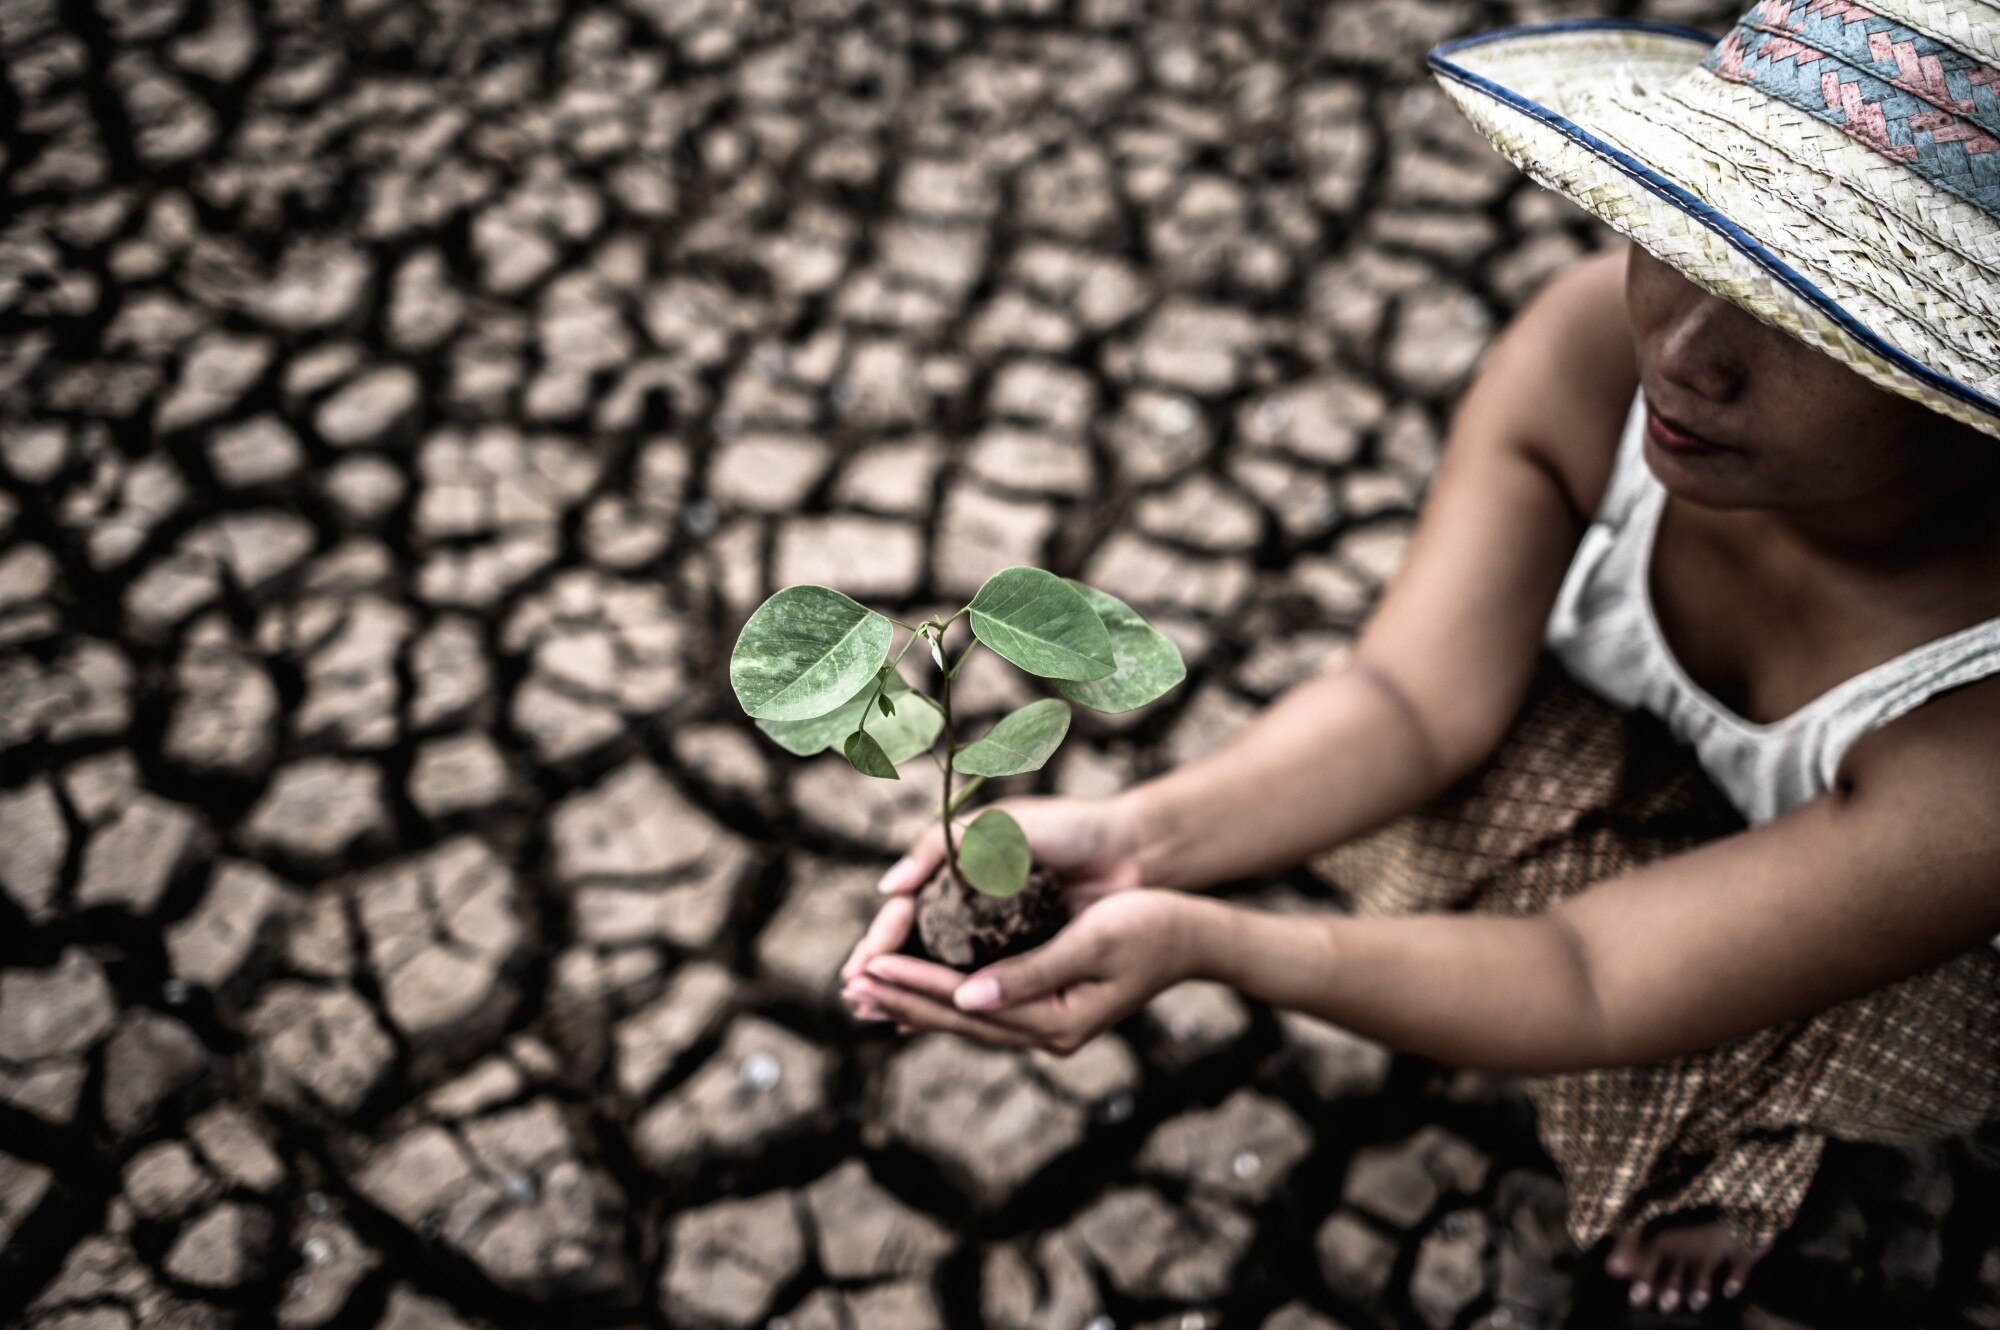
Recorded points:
(403,405)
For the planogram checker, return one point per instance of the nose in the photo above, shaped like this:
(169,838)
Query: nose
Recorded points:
(1698,346)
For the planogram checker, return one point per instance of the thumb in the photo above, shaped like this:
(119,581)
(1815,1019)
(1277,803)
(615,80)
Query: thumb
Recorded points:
(917,866)
(1049,968)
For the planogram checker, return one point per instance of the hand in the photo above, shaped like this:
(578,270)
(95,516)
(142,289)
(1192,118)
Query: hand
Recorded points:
(1093,844)
(1106,963)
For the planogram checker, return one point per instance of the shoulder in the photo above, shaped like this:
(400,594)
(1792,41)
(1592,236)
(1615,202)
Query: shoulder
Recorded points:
(1941,753)
(1560,379)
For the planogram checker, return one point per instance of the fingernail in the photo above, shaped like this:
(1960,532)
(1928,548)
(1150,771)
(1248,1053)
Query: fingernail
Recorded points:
(1619,1266)
(868,1011)
(1669,1300)
(874,967)
(1732,1288)
(1640,1293)
(893,879)
(1697,1300)
(980,994)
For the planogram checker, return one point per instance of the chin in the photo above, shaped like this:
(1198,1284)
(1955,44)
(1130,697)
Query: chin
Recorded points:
(1719,479)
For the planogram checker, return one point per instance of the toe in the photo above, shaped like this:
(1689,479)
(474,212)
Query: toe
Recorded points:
(1648,1272)
(1701,1280)
(1655,1271)
(1669,1284)
(1741,1262)
(1623,1260)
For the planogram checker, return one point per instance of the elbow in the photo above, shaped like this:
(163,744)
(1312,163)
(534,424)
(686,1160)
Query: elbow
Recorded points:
(1452,735)
(1582,1034)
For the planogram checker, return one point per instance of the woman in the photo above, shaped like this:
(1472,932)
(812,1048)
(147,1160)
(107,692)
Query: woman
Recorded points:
(1726,870)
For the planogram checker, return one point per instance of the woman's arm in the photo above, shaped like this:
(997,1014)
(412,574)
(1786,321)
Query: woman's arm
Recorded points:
(1891,874)
(1440,670)
(1445,660)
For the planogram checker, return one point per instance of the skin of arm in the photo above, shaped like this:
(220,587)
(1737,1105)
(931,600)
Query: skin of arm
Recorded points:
(1445,661)
(1893,872)
(1439,671)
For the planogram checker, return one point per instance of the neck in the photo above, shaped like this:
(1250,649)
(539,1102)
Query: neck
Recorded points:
(1907,519)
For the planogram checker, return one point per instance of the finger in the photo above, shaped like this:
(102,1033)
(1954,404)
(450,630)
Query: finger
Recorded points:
(885,933)
(1047,1019)
(923,1013)
(932,980)
(1066,959)
(917,865)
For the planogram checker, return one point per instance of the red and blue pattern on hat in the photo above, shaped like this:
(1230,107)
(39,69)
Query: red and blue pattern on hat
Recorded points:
(1831,166)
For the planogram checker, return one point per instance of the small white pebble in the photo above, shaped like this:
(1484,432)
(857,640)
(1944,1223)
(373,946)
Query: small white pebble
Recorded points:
(701,518)
(759,1072)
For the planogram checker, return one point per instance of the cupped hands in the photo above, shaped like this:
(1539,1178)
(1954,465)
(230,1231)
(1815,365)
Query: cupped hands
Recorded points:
(1114,956)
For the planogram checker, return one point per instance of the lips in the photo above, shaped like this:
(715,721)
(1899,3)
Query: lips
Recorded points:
(1672,435)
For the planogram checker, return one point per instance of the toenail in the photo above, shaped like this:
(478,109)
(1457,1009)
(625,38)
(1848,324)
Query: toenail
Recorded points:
(1641,1292)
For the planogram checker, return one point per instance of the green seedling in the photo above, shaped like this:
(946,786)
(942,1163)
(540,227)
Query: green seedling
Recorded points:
(812,667)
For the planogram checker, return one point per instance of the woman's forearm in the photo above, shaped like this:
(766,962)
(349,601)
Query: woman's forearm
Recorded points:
(1491,992)
(1332,758)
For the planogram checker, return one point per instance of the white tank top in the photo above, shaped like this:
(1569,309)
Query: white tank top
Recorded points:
(1604,631)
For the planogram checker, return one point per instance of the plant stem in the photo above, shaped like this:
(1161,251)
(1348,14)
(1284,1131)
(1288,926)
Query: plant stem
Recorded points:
(959,664)
(950,747)
(952,805)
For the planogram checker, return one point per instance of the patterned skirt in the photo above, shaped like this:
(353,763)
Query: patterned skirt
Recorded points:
(1581,791)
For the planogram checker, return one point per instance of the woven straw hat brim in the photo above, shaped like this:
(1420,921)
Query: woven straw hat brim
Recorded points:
(1787,216)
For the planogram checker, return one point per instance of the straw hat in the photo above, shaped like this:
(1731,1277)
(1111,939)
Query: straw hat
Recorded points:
(1832,168)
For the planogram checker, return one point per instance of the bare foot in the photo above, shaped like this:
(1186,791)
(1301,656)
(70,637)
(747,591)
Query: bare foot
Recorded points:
(1678,1264)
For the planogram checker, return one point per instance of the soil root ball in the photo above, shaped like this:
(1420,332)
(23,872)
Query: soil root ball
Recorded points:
(967,929)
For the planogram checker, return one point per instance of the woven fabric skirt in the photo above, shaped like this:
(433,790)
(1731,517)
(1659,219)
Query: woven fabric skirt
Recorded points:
(1581,791)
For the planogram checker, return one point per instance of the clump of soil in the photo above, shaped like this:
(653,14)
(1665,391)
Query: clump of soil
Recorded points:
(967,929)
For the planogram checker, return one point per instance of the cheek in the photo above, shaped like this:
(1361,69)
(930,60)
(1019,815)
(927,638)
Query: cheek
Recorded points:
(1829,458)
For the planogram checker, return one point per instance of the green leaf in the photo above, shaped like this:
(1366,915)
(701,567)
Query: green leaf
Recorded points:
(882,701)
(866,756)
(1042,624)
(816,734)
(905,732)
(912,730)
(993,854)
(804,652)
(1149,664)
(1021,742)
